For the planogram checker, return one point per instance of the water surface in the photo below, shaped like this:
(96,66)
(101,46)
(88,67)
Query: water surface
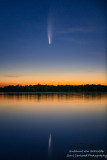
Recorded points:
(46,126)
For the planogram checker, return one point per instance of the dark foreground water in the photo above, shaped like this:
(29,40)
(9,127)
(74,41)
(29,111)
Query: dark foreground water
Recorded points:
(51,126)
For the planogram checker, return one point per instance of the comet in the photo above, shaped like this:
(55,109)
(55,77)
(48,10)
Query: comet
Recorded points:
(49,38)
(50,31)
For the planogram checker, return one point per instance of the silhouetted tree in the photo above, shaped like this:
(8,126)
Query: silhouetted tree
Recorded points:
(52,88)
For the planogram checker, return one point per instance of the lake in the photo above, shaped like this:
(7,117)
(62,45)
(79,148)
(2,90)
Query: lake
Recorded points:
(47,126)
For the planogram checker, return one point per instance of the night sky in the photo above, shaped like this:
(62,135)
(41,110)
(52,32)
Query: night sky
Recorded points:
(52,42)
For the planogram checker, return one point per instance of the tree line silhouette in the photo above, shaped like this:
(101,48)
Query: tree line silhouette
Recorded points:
(52,88)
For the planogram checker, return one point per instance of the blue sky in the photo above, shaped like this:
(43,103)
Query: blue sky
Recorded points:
(78,29)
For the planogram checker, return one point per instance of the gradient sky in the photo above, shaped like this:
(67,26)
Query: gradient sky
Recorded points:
(77,54)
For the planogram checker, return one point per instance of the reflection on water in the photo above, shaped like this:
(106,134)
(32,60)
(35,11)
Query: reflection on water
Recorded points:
(52,96)
(49,147)
(28,120)
(52,102)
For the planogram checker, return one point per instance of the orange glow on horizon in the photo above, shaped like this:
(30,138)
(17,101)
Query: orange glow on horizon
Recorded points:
(55,84)
(55,79)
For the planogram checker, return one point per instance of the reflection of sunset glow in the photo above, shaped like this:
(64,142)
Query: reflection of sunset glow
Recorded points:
(54,103)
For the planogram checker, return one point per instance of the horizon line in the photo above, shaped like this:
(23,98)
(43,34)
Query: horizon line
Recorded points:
(2,86)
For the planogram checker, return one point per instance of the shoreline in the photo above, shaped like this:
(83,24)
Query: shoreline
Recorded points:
(29,93)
